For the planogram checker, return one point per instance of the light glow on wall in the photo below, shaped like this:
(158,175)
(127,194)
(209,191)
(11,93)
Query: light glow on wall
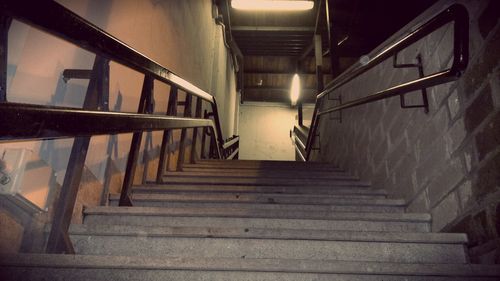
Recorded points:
(295,89)
(272,5)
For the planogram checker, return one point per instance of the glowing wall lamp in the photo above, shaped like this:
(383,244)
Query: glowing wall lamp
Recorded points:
(295,89)
(272,5)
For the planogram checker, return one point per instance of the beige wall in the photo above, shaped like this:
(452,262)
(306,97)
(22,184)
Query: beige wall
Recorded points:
(180,35)
(264,130)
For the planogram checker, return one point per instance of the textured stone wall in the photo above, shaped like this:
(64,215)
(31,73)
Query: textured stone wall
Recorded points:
(446,162)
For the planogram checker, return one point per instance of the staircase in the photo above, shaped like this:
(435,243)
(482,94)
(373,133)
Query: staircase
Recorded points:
(254,220)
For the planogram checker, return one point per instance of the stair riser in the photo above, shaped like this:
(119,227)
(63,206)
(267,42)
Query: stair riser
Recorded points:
(261,198)
(269,248)
(227,173)
(300,166)
(253,168)
(260,189)
(144,220)
(296,207)
(233,194)
(278,196)
(263,164)
(88,274)
(263,171)
(264,181)
(268,233)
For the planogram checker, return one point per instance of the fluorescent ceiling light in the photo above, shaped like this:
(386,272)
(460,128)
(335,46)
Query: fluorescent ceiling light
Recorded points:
(272,5)
(295,90)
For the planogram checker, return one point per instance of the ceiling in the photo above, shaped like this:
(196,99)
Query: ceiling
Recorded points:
(275,45)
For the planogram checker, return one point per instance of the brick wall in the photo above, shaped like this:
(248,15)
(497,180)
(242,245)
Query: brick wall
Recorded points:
(446,162)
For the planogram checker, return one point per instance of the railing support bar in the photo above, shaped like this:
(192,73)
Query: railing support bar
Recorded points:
(203,137)
(5,22)
(300,112)
(171,111)
(197,114)
(58,241)
(332,41)
(135,145)
(318,53)
(182,142)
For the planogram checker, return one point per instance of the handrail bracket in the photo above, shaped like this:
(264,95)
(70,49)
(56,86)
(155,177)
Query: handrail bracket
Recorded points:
(331,115)
(420,67)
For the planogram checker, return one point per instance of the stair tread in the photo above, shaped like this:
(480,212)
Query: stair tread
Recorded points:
(235,212)
(232,173)
(247,199)
(268,233)
(175,246)
(213,180)
(264,162)
(249,207)
(254,169)
(247,164)
(263,222)
(279,166)
(247,265)
(249,189)
(250,170)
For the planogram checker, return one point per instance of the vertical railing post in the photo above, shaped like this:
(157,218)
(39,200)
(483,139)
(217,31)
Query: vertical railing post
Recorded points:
(135,145)
(299,100)
(203,137)
(218,128)
(182,142)
(318,53)
(300,112)
(150,108)
(171,111)
(5,22)
(197,114)
(332,41)
(212,144)
(58,241)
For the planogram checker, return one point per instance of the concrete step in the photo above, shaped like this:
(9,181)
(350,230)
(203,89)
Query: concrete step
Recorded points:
(117,240)
(238,173)
(253,168)
(231,217)
(244,201)
(262,163)
(269,233)
(309,182)
(268,165)
(88,267)
(206,168)
(262,190)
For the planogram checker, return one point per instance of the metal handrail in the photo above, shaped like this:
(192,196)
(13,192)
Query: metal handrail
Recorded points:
(231,142)
(33,122)
(63,23)
(301,131)
(233,154)
(28,122)
(455,13)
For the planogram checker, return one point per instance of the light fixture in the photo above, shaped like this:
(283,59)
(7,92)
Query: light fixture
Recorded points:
(272,5)
(295,89)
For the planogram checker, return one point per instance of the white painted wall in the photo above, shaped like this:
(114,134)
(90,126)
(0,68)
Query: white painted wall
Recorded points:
(264,130)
